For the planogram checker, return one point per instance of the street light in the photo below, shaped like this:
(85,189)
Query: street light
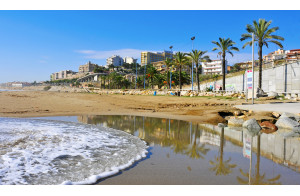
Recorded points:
(192,64)
(135,73)
(145,72)
(171,47)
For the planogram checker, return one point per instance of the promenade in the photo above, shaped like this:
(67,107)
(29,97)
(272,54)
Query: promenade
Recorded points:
(274,107)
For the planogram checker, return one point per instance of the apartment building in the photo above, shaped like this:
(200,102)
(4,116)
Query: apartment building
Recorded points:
(213,67)
(151,57)
(129,60)
(65,74)
(115,60)
(293,55)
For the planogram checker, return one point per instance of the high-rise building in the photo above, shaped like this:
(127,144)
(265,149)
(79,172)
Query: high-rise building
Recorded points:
(213,67)
(115,60)
(150,57)
(129,60)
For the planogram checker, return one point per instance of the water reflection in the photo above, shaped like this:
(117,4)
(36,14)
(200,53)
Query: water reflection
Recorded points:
(207,144)
(221,167)
(257,179)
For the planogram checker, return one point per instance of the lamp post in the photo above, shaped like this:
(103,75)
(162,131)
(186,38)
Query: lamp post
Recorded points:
(171,47)
(145,72)
(135,73)
(193,38)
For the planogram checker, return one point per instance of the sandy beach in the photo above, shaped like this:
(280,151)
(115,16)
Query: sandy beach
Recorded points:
(45,103)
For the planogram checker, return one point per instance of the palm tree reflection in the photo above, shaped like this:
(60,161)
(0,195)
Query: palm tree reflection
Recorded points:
(257,179)
(195,151)
(221,167)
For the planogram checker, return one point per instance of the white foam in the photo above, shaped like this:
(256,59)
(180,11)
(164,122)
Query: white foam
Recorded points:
(55,152)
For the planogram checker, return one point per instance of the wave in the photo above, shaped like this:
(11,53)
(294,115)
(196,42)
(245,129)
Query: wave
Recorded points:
(55,152)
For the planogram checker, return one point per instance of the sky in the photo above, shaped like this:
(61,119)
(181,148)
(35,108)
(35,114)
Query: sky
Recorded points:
(36,43)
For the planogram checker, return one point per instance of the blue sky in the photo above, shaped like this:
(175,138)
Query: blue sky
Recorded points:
(35,44)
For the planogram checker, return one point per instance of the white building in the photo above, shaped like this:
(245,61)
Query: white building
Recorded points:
(213,67)
(115,60)
(129,60)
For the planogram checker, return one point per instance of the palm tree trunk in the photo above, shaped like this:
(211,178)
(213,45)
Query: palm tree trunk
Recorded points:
(197,77)
(260,66)
(180,77)
(223,70)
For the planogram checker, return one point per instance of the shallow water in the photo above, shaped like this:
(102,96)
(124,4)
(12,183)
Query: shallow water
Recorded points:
(185,153)
(181,152)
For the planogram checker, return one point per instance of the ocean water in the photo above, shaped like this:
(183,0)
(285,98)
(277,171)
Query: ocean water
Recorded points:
(37,151)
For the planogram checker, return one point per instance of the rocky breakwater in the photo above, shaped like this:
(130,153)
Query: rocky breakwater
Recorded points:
(287,124)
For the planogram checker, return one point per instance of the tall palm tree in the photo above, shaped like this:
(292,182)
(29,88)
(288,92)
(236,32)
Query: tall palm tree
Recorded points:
(197,57)
(224,46)
(168,63)
(262,35)
(180,60)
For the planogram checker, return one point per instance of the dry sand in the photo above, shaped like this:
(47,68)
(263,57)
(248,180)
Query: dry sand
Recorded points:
(45,103)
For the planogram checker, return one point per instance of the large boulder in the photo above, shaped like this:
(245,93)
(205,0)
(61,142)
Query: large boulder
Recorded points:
(287,123)
(252,124)
(272,94)
(235,122)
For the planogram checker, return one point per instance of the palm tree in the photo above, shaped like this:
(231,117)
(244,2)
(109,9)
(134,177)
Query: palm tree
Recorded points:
(197,57)
(262,35)
(180,60)
(225,46)
(168,63)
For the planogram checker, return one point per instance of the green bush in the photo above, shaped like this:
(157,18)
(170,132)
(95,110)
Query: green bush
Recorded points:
(46,88)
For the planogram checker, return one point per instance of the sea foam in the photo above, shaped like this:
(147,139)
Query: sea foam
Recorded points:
(56,152)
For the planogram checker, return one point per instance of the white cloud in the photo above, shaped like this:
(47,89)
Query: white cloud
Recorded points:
(93,54)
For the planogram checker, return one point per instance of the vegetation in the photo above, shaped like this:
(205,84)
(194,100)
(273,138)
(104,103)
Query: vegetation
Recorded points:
(262,35)
(180,60)
(46,88)
(197,57)
(224,46)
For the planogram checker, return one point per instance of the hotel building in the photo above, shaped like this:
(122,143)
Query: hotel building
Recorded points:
(150,57)
(213,67)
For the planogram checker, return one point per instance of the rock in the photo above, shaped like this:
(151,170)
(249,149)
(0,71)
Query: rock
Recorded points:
(235,122)
(251,125)
(268,127)
(260,93)
(237,113)
(275,114)
(272,94)
(243,116)
(267,98)
(286,123)
(291,116)
(221,125)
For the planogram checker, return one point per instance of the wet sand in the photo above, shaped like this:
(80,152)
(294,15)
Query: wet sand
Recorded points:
(44,103)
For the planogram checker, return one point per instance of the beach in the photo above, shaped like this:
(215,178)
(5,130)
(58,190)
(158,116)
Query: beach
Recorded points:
(46,103)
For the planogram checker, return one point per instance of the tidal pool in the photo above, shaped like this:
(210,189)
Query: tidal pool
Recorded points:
(182,152)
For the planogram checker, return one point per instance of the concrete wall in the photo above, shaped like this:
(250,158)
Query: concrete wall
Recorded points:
(285,78)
